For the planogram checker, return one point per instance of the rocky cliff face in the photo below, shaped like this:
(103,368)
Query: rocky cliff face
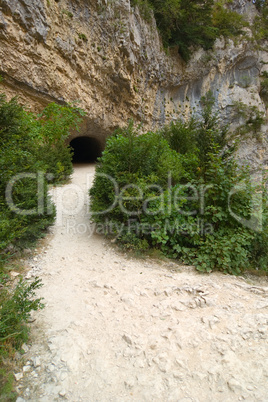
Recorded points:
(103,54)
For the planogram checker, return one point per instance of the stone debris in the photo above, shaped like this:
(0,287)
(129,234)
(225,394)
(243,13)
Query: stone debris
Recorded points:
(25,348)
(127,339)
(18,376)
(14,274)
(36,361)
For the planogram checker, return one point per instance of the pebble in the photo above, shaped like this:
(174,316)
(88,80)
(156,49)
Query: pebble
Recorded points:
(234,385)
(14,274)
(168,292)
(178,375)
(18,376)
(178,307)
(129,383)
(36,361)
(127,339)
(50,368)
(262,304)
(63,375)
(26,369)
(128,299)
(25,348)
(144,294)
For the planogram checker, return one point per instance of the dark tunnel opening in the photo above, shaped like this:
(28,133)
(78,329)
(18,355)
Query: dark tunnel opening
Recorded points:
(85,149)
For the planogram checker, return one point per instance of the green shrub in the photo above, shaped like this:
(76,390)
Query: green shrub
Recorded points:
(53,127)
(145,8)
(34,147)
(264,87)
(18,155)
(144,161)
(82,36)
(7,392)
(260,26)
(67,13)
(228,23)
(191,24)
(194,204)
(253,119)
(16,307)
(181,136)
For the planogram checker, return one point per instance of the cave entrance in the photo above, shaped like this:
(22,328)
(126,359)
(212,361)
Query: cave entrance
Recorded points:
(85,149)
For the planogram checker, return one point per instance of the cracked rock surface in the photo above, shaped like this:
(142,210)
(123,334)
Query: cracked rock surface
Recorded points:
(106,56)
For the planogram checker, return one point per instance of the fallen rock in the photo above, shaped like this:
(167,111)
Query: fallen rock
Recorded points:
(18,376)
(127,339)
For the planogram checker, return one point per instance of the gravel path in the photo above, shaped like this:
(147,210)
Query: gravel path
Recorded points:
(121,329)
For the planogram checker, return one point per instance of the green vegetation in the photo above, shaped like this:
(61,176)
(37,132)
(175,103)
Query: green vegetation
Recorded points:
(180,191)
(253,119)
(261,21)
(32,151)
(190,24)
(32,155)
(67,13)
(245,81)
(16,307)
(145,7)
(264,87)
(82,36)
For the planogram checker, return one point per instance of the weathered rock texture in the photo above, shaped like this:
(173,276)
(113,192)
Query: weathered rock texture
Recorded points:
(103,54)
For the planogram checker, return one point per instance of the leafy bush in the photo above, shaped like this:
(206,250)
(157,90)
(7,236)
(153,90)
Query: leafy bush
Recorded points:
(264,87)
(82,36)
(17,155)
(16,308)
(53,127)
(182,136)
(145,8)
(192,202)
(190,24)
(228,23)
(261,21)
(32,146)
(145,161)
(253,119)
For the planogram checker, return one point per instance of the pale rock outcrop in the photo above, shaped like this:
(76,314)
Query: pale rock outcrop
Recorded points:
(105,55)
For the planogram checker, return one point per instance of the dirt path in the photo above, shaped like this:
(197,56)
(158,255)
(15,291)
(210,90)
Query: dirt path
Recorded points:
(120,329)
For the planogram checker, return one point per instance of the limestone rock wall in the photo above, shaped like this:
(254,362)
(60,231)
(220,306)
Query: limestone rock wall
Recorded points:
(103,54)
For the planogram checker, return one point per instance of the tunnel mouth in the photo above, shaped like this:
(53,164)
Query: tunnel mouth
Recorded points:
(85,149)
